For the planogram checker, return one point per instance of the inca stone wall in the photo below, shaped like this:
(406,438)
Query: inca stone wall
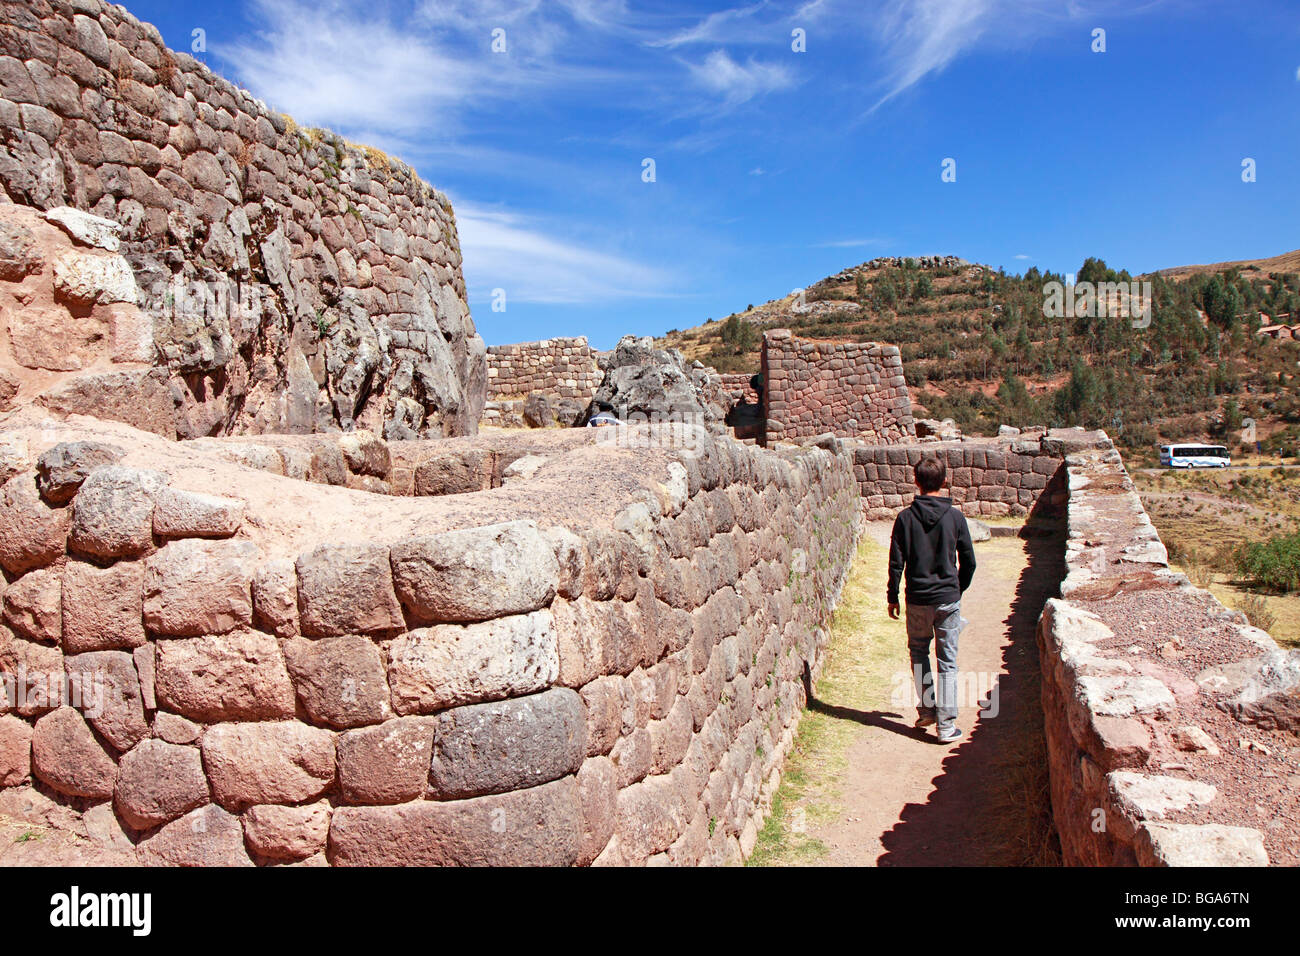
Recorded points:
(1167,715)
(558,368)
(852,390)
(986,477)
(295,672)
(293,282)
(738,388)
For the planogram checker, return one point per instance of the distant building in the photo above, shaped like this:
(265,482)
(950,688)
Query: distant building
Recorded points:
(1276,331)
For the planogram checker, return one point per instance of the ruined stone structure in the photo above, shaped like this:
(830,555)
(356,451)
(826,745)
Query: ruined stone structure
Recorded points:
(738,388)
(251,614)
(557,368)
(538,384)
(1158,701)
(849,389)
(316,674)
(293,282)
(988,477)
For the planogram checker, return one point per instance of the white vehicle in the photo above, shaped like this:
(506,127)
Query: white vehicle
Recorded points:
(1194,456)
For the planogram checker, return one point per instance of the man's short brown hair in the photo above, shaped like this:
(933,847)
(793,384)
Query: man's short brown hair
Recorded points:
(930,473)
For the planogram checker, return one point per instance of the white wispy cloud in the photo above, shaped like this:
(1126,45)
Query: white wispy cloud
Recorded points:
(737,82)
(503,249)
(1021,255)
(329,64)
(721,26)
(352,66)
(924,36)
(920,38)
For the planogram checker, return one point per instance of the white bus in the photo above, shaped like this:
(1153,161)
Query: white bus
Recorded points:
(1194,456)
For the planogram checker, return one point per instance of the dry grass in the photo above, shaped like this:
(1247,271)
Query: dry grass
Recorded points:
(859,661)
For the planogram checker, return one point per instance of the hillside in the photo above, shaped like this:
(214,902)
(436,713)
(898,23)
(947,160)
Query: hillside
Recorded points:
(1286,262)
(978,348)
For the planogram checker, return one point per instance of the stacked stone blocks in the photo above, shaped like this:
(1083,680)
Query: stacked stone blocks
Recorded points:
(848,389)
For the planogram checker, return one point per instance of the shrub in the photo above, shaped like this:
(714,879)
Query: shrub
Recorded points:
(1255,607)
(1273,563)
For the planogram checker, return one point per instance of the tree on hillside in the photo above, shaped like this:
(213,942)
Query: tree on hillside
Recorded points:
(1094,270)
(1221,301)
(863,287)
(739,334)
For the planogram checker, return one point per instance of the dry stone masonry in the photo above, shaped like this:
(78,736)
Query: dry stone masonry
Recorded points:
(540,384)
(986,477)
(295,672)
(286,281)
(1162,707)
(268,600)
(849,389)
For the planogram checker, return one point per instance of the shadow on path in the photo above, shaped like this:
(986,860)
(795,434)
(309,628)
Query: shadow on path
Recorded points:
(872,718)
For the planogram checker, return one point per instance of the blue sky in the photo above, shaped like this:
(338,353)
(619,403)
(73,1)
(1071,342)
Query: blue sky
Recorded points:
(774,168)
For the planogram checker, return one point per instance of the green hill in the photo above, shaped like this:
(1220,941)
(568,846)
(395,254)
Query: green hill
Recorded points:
(978,348)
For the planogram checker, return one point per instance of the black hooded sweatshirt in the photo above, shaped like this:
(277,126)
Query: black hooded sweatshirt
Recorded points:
(929,538)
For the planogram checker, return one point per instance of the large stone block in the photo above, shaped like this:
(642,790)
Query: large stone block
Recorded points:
(275,598)
(443,666)
(270,762)
(194,587)
(454,473)
(105,687)
(32,679)
(1206,845)
(508,745)
(236,676)
(347,590)
(476,573)
(112,515)
(207,836)
(33,605)
(157,782)
(190,514)
(102,607)
(541,826)
(15,751)
(287,833)
(340,681)
(32,534)
(61,470)
(598,792)
(388,763)
(67,757)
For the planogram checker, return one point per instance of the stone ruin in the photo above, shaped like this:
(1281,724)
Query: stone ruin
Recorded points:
(292,281)
(848,389)
(541,384)
(267,599)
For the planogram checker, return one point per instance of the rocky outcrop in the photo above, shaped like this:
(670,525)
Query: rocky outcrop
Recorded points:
(646,384)
(289,281)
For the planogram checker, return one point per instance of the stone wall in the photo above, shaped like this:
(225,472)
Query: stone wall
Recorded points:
(1166,714)
(294,282)
(292,672)
(540,384)
(986,477)
(738,388)
(558,368)
(848,389)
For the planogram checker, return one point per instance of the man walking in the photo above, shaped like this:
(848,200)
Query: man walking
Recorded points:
(931,546)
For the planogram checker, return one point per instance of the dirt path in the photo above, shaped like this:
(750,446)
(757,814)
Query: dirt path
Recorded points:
(863,788)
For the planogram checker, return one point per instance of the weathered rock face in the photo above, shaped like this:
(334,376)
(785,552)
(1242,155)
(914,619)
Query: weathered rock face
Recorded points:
(252,276)
(644,383)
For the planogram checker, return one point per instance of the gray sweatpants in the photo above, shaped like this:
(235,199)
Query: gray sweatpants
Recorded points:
(941,623)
